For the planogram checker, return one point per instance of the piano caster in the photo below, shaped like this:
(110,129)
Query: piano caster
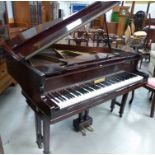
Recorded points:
(120,115)
(40,146)
(46,152)
(40,141)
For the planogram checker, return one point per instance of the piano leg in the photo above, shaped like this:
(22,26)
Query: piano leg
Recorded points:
(46,136)
(152,106)
(38,127)
(123,102)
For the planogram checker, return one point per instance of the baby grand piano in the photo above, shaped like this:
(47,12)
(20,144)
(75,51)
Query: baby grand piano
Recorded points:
(59,81)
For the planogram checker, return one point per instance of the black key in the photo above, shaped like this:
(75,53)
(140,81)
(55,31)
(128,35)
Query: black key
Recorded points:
(111,81)
(51,97)
(106,83)
(64,99)
(88,87)
(93,86)
(76,93)
(63,92)
(55,99)
(114,79)
(70,93)
(73,92)
(97,86)
(85,89)
(80,90)
(58,96)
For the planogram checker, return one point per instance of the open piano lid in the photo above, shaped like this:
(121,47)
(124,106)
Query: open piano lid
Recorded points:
(34,40)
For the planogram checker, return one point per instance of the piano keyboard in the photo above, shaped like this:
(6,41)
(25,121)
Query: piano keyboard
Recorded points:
(70,96)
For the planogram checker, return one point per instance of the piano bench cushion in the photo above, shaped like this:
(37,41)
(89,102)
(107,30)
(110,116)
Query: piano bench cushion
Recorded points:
(151,83)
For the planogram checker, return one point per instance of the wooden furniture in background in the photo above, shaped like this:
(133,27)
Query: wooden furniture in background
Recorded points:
(123,14)
(151,32)
(27,14)
(112,27)
(5,79)
(21,12)
(98,23)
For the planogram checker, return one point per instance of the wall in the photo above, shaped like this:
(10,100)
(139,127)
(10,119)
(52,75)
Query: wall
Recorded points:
(143,7)
(10,11)
(2,10)
(65,5)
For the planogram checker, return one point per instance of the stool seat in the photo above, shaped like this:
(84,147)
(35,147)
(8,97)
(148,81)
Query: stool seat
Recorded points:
(151,83)
(140,34)
(150,86)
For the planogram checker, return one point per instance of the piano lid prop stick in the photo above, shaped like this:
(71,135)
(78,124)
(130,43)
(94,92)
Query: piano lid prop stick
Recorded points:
(106,27)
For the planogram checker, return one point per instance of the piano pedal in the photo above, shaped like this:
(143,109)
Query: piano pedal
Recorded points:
(89,128)
(80,125)
(83,131)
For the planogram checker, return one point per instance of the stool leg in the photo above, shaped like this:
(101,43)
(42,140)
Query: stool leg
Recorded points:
(112,106)
(152,106)
(151,96)
(123,102)
(132,97)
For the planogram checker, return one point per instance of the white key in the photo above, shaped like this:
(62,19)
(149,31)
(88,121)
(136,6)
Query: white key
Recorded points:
(95,93)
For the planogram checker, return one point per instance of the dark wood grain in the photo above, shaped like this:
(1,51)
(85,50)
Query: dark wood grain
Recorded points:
(36,83)
(53,33)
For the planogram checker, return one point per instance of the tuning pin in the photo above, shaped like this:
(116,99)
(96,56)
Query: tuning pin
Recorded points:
(83,131)
(89,128)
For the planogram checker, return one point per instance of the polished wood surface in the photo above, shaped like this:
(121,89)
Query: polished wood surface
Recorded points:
(59,67)
(32,42)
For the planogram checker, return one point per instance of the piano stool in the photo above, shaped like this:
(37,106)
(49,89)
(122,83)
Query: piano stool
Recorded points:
(151,87)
